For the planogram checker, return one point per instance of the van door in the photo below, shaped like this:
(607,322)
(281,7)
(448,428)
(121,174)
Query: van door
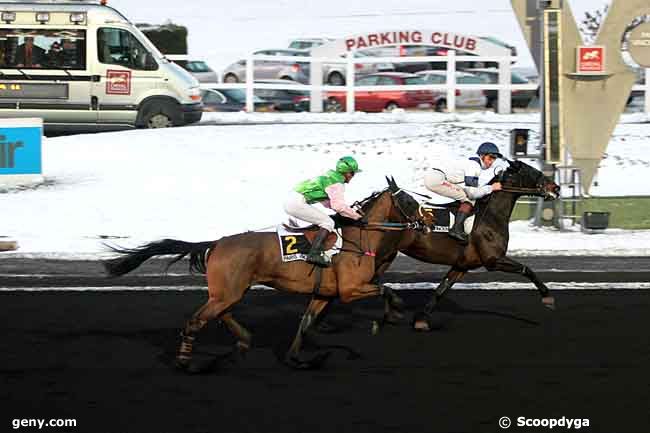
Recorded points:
(127,71)
(44,73)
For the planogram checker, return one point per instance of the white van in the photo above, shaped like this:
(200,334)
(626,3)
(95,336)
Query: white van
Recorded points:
(81,64)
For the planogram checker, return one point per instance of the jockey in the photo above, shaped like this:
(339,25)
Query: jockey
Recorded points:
(459,180)
(328,190)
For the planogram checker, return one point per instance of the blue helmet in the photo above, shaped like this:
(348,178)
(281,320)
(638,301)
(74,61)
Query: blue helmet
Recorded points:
(488,148)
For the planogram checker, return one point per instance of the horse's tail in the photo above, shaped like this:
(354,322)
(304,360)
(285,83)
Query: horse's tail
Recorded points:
(134,257)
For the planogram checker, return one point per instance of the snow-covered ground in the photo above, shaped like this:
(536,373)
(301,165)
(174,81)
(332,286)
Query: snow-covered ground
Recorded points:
(233,172)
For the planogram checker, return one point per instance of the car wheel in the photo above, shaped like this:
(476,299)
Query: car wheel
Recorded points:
(391,106)
(336,79)
(441,105)
(231,78)
(333,106)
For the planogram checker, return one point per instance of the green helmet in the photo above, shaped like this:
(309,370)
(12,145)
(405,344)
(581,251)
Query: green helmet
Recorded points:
(347,164)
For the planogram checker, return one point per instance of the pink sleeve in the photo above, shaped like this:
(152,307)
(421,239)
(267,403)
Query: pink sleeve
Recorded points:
(337,201)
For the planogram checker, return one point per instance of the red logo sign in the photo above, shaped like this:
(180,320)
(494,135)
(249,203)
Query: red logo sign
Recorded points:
(591,59)
(118,82)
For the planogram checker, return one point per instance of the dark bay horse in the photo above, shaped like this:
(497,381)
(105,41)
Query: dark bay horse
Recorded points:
(234,263)
(488,242)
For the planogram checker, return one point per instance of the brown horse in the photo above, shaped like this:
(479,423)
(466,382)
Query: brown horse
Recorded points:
(488,242)
(233,264)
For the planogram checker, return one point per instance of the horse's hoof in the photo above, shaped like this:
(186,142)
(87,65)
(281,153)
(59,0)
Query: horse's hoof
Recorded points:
(182,363)
(393,317)
(307,364)
(549,302)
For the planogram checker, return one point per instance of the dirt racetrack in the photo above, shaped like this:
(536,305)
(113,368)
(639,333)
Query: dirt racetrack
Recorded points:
(104,359)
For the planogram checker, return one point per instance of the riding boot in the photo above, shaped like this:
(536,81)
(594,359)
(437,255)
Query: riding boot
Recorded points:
(458,230)
(316,254)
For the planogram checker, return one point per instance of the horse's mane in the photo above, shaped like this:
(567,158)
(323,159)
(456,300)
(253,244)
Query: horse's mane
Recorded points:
(364,204)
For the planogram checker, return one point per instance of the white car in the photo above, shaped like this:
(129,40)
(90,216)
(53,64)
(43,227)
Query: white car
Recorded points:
(465,98)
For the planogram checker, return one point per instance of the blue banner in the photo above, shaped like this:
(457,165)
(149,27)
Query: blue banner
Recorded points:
(20,149)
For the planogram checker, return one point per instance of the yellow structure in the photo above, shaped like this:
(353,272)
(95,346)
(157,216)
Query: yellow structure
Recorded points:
(591,103)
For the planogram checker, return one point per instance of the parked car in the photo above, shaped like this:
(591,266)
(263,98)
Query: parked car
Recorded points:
(284,99)
(198,68)
(265,69)
(465,98)
(219,99)
(520,98)
(308,43)
(380,100)
(334,73)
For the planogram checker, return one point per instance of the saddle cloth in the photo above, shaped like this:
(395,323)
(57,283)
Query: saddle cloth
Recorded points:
(295,245)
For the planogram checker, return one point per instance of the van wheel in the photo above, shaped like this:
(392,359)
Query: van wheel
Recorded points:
(161,114)
(159,120)
(441,105)
(336,79)
(230,78)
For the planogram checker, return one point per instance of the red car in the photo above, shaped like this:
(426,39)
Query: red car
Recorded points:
(380,100)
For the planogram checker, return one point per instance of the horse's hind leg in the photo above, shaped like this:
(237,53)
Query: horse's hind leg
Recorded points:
(423,319)
(210,310)
(243,335)
(292,358)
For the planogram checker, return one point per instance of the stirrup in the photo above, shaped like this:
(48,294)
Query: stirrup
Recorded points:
(459,236)
(319,259)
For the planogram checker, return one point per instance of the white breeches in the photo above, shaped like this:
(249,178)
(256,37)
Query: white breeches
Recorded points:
(437,182)
(297,206)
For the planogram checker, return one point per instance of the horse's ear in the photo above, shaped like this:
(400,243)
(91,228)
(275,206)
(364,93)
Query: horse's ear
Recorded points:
(394,183)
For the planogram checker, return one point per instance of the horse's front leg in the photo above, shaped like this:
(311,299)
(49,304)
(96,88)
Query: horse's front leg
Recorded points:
(423,320)
(292,358)
(506,264)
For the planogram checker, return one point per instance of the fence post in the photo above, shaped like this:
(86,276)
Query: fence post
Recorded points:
(646,93)
(505,94)
(250,80)
(451,81)
(349,82)
(316,92)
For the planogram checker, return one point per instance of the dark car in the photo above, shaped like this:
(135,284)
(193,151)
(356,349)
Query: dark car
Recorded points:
(284,99)
(218,99)
(380,100)
(520,98)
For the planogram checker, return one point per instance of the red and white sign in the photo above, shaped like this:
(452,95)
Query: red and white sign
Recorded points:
(118,82)
(591,60)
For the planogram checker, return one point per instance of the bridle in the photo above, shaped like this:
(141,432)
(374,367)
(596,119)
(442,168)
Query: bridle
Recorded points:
(538,190)
(412,222)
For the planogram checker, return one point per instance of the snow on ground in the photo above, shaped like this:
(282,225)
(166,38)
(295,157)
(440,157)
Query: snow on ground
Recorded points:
(233,172)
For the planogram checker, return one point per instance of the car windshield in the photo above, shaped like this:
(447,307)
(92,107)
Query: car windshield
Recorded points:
(414,80)
(196,66)
(518,79)
(238,95)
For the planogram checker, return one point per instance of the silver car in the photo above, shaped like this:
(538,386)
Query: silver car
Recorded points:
(465,98)
(271,69)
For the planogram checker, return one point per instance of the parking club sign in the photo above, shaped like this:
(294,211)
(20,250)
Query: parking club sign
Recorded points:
(591,60)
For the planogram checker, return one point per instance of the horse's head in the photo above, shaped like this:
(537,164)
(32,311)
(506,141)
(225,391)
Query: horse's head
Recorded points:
(524,179)
(392,204)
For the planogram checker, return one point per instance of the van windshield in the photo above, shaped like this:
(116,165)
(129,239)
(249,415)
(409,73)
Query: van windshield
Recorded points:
(42,49)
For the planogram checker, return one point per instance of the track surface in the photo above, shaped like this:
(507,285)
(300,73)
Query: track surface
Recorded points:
(104,358)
